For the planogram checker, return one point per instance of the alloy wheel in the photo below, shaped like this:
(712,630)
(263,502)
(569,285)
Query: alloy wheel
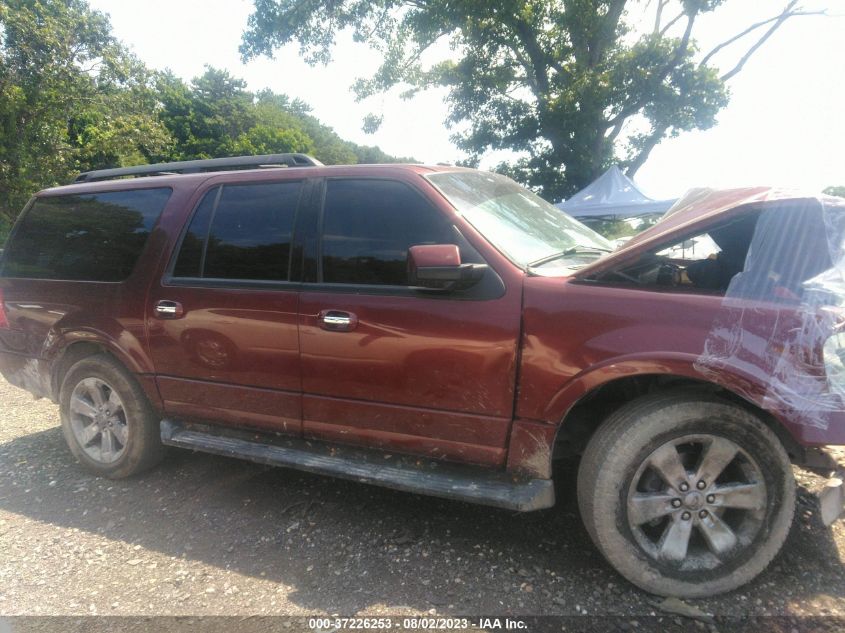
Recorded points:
(696,502)
(98,420)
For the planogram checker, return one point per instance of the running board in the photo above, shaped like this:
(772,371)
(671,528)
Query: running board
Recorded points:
(426,477)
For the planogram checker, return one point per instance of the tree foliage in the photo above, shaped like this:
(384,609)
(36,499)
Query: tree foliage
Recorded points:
(72,98)
(215,115)
(836,191)
(571,85)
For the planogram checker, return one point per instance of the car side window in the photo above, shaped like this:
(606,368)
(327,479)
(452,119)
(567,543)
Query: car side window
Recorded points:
(702,263)
(189,262)
(241,232)
(368,227)
(96,236)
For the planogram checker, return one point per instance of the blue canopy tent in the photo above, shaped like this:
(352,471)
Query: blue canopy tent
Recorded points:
(612,195)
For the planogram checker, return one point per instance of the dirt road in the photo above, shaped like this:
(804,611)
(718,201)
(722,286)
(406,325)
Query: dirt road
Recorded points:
(204,535)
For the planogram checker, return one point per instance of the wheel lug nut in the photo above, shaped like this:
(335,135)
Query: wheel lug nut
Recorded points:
(676,503)
(686,516)
(711,498)
(684,487)
(702,514)
(701,485)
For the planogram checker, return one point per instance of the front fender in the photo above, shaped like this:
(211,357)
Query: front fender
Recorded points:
(532,442)
(677,364)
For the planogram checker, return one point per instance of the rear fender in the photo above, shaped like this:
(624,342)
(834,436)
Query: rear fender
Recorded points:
(124,343)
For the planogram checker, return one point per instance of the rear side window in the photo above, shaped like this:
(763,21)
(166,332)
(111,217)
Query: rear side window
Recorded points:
(241,232)
(368,226)
(85,237)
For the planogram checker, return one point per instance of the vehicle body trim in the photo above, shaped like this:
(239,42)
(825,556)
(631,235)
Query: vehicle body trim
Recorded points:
(432,478)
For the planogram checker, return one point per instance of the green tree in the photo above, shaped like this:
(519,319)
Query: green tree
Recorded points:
(208,118)
(217,116)
(282,112)
(572,85)
(328,146)
(266,139)
(5,227)
(71,98)
(835,191)
(176,113)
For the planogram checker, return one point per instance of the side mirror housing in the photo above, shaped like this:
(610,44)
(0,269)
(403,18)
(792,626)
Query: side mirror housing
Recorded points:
(439,267)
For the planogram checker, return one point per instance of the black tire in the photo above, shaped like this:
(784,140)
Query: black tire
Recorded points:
(627,504)
(141,447)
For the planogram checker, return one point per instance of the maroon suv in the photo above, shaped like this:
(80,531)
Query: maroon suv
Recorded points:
(446,332)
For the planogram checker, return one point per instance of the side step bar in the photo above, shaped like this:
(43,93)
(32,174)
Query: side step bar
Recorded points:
(425,477)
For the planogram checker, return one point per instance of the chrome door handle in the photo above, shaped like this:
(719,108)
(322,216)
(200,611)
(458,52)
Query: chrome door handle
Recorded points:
(337,320)
(165,309)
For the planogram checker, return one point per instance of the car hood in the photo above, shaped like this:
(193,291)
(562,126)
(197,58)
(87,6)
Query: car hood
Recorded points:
(694,210)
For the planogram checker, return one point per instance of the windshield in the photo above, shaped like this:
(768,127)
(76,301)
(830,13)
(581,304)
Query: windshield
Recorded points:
(523,226)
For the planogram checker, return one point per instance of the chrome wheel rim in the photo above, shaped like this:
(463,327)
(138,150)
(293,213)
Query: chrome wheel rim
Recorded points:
(696,503)
(98,420)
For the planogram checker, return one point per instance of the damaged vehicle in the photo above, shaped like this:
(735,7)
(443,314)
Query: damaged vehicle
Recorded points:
(443,331)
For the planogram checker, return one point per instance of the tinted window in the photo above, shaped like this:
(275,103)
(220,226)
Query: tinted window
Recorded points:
(368,226)
(90,237)
(249,237)
(189,263)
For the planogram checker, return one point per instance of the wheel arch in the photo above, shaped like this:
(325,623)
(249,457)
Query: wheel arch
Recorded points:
(586,401)
(80,345)
(581,421)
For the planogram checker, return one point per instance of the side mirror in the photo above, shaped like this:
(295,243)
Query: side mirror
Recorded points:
(439,267)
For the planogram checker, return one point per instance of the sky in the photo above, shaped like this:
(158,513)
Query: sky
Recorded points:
(784,126)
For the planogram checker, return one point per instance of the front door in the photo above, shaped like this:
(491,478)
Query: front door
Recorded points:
(387,365)
(223,322)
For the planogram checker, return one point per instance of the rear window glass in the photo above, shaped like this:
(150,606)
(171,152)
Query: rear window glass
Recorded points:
(86,237)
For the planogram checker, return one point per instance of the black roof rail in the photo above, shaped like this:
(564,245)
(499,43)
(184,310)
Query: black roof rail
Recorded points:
(197,166)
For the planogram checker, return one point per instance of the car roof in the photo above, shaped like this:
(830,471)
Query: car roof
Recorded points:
(195,179)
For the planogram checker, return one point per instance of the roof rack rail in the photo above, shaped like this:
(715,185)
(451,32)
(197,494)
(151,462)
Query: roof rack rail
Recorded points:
(197,166)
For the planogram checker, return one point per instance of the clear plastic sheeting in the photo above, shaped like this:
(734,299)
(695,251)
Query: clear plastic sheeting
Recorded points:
(782,322)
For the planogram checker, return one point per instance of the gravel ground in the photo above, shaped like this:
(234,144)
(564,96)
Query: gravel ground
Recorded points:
(204,535)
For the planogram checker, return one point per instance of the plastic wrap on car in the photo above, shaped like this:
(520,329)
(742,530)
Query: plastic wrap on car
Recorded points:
(782,322)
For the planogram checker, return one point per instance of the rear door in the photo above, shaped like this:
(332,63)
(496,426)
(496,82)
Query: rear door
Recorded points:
(414,371)
(222,322)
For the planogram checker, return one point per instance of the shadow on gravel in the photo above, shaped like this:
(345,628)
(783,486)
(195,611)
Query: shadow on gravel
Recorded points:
(344,547)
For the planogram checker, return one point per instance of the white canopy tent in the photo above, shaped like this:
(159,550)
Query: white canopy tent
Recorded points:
(612,195)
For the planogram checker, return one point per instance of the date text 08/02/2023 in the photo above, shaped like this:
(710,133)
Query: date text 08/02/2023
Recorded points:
(417,623)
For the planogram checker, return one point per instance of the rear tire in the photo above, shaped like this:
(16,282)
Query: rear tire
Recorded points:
(686,495)
(107,421)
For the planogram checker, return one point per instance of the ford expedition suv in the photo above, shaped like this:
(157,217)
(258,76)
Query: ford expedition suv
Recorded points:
(444,331)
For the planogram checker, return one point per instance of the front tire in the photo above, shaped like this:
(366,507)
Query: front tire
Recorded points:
(107,421)
(686,495)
